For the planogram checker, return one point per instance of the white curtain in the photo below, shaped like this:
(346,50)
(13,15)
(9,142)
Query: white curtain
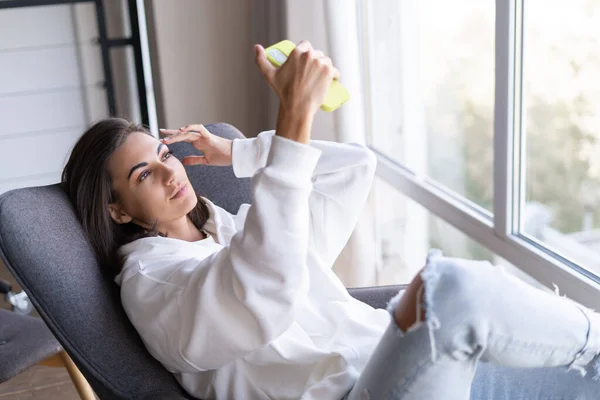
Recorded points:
(333,26)
(357,264)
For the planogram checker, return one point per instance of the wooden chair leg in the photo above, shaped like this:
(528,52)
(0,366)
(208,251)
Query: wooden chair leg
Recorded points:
(81,384)
(63,360)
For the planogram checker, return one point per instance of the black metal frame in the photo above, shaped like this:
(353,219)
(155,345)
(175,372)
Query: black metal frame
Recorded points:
(105,45)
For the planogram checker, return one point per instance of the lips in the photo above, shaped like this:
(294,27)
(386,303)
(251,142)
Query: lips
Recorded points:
(180,191)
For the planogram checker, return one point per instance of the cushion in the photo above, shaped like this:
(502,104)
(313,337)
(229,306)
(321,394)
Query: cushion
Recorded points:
(24,341)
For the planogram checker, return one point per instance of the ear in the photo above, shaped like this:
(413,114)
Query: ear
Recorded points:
(118,215)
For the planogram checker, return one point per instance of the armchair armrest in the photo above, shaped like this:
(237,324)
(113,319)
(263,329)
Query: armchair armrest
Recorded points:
(375,296)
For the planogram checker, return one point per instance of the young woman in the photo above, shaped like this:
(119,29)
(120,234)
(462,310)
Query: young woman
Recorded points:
(246,306)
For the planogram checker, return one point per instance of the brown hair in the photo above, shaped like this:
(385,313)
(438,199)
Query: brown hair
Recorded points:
(88,184)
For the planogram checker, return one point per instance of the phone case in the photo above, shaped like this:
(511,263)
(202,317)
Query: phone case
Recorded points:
(336,95)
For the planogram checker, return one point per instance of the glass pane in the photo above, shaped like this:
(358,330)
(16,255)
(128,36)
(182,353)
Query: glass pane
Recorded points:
(561,99)
(406,231)
(431,81)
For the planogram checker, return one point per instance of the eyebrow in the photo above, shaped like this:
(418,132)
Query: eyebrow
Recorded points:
(143,164)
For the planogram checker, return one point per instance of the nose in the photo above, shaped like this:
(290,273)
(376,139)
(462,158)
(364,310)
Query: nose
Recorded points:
(169,175)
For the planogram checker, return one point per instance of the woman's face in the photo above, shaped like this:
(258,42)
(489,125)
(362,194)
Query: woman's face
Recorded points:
(146,177)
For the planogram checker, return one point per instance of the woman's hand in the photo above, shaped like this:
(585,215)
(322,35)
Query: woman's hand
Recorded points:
(301,84)
(217,150)
(302,81)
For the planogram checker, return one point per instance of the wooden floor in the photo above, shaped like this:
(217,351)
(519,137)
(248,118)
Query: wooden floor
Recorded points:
(39,382)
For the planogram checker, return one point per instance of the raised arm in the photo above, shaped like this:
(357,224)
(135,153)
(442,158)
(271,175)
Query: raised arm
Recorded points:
(341,183)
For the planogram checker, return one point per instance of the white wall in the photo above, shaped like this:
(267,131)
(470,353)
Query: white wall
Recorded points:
(205,62)
(51,77)
(49,89)
(203,59)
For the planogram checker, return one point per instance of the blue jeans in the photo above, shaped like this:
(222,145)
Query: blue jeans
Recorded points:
(486,336)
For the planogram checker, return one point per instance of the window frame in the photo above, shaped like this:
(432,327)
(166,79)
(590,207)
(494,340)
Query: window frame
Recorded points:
(499,232)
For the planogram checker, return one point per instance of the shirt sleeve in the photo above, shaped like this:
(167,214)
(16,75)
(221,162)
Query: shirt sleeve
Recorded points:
(209,312)
(341,180)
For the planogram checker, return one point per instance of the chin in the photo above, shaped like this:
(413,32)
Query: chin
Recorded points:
(191,201)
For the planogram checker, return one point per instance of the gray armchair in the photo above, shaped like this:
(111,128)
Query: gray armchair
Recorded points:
(44,247)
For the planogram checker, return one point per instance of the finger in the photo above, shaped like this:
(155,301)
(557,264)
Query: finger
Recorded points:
(264,65)
(326,61)
(304,45)
(194,160)
(180,137)
(169,131)
(336,73)
(318,54)
(193,127)
(301,48)
(200,130)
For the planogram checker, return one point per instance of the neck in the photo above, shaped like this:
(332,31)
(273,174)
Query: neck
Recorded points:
(182,228)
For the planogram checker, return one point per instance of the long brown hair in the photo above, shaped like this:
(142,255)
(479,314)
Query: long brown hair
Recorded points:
(88,184)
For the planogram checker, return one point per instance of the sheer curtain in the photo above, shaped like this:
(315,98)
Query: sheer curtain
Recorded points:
(357,264)
(332,26)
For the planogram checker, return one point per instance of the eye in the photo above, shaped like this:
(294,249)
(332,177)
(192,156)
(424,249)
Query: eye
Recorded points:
(143,175)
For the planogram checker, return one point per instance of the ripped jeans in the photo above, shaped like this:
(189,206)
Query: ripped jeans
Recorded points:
(486,336)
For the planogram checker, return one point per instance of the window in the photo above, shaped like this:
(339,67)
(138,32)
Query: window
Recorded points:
(561,128)
(438,92)
(484,114)
(403,221)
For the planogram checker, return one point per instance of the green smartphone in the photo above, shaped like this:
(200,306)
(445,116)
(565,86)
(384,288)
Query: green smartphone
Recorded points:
(336,95)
